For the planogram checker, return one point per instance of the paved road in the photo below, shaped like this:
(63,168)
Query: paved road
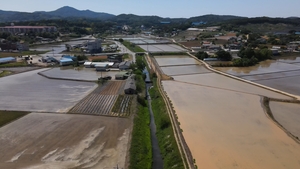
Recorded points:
(126,50)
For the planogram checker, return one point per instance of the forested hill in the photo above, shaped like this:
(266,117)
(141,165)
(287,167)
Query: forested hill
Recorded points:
(70,13)
(61,13)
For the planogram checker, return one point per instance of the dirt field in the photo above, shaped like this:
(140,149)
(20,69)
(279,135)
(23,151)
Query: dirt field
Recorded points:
(61,141)
(101,100)
(228,129)
(191,43)
(91,58)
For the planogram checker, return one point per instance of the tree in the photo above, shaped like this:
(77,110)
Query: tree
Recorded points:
(201,55)
(223,55)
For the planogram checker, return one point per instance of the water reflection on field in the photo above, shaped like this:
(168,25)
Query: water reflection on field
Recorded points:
(227,129)
(282,74)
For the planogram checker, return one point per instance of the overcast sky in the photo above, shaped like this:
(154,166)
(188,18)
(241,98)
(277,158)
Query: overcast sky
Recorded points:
(165,8)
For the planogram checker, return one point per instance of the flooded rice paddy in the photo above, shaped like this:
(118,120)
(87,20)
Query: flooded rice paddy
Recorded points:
(225,124)
(89,74)
(282,74)
(288,115)
(48,141)
(31,92)
(162,48)
(174,60)
(229,129)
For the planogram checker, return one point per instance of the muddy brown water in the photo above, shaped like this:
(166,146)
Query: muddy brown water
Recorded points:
(288,115)
(229,129)
(269,66)
(222,82)
(40,140)
(175,60)
(282,74)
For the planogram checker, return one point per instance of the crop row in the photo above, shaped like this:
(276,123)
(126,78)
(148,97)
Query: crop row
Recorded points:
(113,88)
(95,104)
(122,106)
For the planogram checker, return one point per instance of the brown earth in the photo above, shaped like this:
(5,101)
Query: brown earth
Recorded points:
(92,58)
(41,140)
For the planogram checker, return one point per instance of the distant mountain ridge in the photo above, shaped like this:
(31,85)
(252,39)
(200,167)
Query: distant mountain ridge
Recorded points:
(61,13)
(67,12)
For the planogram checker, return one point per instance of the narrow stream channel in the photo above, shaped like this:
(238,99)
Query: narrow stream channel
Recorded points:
(157,162)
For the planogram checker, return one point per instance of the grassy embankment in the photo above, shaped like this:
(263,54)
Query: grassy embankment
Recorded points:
(14,64)
(167,143)
(9,116)
(132,47)
(5,73)
(141,149)
(12,54)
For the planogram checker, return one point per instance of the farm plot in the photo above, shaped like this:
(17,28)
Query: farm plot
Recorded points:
(162,48)
(64,141)
(122,106)
(113,88)
(100,101)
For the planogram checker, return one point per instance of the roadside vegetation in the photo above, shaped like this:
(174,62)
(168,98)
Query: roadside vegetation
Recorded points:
(14,64)
(131,46)
(123,105)
(5,73)
(164,131)
(9,116)
(141,149)
(14,54)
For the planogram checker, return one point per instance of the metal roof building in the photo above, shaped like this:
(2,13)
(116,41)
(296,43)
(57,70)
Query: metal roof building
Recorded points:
(130,87)
(125,65)
(7,60)
(66,62)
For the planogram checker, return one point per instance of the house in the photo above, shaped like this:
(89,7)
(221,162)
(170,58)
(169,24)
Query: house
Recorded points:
(125,65)
(94,46)
(292,46)
(21,46)
(130,87)
(87,64)
(115,58)
(214,47)
(101,67)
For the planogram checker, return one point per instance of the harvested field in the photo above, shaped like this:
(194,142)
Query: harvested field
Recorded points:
(101,100)
(46,141)
(288,115)
(122,106)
